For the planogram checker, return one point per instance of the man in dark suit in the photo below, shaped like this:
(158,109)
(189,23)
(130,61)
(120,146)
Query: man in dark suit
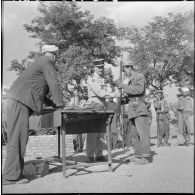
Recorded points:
(27,95)
(137,114)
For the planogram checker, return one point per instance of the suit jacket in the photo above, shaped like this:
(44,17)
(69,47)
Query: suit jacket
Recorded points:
(33,85)
(136,94)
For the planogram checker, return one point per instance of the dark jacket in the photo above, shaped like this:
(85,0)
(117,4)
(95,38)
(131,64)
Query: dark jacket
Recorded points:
(136,95)
(32,86)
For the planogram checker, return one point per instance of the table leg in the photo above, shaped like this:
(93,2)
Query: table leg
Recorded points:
(63,148)
(58,142)
(108,128)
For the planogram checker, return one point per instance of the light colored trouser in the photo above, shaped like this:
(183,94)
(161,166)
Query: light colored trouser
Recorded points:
(163,131)
(17,133)
(184,119)
(95,144)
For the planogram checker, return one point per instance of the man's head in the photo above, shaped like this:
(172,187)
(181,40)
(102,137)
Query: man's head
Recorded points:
(50,50)
(185,91)
(128,67)
(160,94)
(99,66)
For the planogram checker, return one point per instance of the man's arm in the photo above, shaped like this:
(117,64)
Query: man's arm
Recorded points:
(136,89)
(50,75)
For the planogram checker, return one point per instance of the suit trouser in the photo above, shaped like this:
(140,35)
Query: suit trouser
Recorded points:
(17,133)
(95,144)
(140,136)
(163,131)
(127,133)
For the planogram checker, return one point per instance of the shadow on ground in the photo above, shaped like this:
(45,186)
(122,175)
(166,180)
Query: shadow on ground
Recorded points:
(80,159)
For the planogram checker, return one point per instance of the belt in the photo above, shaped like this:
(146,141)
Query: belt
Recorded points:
(133,99)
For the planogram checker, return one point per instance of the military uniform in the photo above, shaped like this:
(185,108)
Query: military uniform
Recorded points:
(179,108)
(185,110)
(162,118)
(27,94)
(97,94)
(138,115)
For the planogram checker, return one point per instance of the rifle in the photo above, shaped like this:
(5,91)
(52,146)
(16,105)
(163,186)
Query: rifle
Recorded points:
(158,135)
(121,117)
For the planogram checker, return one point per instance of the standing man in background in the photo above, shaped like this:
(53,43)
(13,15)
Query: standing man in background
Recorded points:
(137,114)
(27,95)
(97,95)
(185,109)
(162,112)
(148,102)
(77,102)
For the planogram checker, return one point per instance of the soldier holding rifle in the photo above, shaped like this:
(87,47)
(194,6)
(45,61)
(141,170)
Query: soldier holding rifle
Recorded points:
(137,114)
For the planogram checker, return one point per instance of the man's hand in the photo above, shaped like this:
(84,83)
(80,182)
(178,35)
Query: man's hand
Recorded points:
(60,106)
(115,94)
(118,84)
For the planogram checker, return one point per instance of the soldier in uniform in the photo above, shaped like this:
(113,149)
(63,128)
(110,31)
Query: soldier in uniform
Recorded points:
(162,118)
(148,102)
(137,114)
(27,94)
(97,95)
(179,116)
(185,109)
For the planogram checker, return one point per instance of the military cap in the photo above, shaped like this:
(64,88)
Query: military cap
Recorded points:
(49,48)
(159,91)
(98,62)
(128,63)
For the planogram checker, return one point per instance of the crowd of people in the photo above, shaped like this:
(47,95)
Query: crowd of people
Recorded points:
(29,92)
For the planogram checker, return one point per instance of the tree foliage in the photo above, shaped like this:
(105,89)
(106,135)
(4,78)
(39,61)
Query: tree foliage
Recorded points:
(159,48)
(80,39)
(163,49)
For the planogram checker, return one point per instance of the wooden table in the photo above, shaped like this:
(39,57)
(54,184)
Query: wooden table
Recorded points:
(76,121)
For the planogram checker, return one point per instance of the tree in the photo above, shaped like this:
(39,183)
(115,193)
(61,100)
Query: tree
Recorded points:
(159,51)
(79,37)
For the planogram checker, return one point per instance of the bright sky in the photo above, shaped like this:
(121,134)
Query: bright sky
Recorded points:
(16,43)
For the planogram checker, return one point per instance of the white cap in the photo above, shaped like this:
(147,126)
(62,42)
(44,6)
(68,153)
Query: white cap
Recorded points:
(49,48)
(185,89)
(115,100)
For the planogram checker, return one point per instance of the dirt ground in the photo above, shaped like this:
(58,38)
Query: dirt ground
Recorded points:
(172,170)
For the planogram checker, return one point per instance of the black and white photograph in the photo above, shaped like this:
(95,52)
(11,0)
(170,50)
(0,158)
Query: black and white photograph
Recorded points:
(97,97)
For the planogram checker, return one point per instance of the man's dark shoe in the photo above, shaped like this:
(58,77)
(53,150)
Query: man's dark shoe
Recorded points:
(91,160)
(101,159)
(80,150)
(21,180)
(166,144)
